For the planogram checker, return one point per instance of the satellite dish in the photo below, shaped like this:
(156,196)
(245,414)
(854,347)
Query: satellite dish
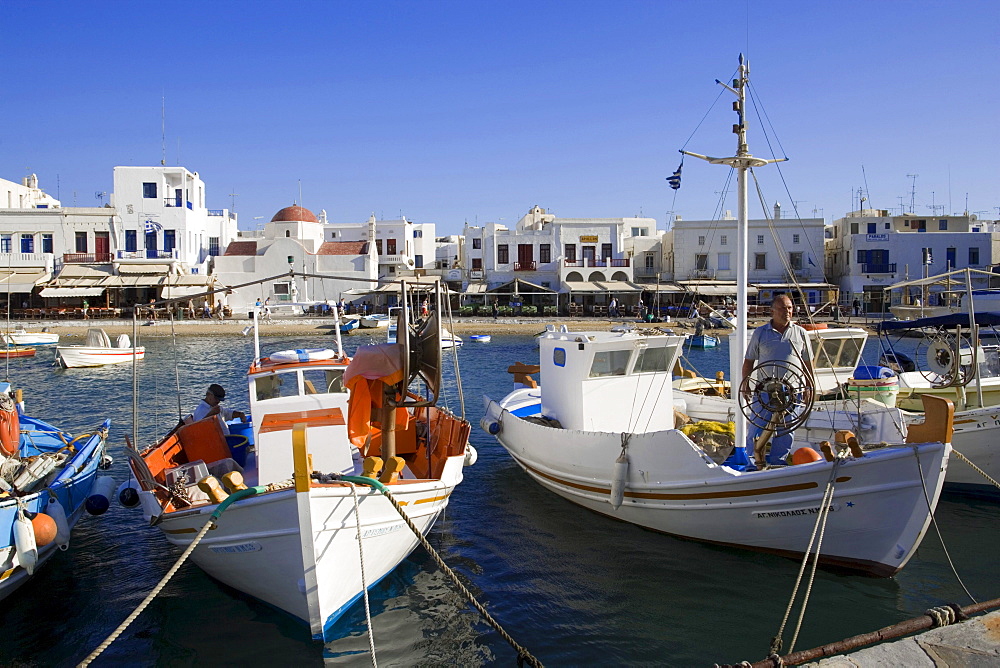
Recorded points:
(421,342)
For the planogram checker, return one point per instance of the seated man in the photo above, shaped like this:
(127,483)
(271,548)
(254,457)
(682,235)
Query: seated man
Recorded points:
(209,406)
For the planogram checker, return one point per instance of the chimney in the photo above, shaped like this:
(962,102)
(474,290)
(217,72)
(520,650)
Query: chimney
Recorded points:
(777,210)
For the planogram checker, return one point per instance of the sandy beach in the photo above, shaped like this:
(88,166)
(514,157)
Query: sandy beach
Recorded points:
(318,326)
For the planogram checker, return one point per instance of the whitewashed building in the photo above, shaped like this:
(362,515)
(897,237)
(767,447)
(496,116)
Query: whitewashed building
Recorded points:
(402,245)
(869,250)
(295,239)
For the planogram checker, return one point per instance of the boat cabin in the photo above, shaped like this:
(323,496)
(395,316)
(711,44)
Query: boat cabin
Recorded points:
(590,380)
(836,354)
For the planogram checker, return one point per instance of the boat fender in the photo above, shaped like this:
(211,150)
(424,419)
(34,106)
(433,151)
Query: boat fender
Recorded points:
(128,493)
(106,462)
(619,481)
(371,467)
(24,542)
(210,485)
(471,455)
(10,426)
(56,511)
(393,467)
(491,427)
(100,498)
(45,529)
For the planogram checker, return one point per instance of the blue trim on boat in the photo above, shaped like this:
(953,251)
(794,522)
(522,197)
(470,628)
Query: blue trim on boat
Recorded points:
(526,411)
(338,613)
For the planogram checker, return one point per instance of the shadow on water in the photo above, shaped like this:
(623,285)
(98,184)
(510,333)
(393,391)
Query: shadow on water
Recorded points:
(572,586)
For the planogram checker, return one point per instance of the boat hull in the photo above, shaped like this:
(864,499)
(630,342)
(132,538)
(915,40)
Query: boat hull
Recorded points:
(262,535)
(83,356)
(31,339)
(878,512)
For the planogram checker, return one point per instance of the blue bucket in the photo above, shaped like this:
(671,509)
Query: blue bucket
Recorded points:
(241,428)
(238,446)
(870,373)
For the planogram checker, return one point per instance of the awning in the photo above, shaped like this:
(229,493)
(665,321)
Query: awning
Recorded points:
(519,285)
(423,283)
(714,289)
(187,285)
(144,269)
(137,281)
(22,281)
(795,286)
(475,289)
(663,288)
(603,286)
(71,292)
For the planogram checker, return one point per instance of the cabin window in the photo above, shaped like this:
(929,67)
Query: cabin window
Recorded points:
(652,359)
(610,363)
(276,385)
(322,381)
(559,357)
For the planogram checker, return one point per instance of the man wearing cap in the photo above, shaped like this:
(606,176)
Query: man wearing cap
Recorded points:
(209,406)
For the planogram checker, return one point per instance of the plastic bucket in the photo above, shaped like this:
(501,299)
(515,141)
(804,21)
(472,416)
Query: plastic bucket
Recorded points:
(873,372)
(238,446)
(241,428)
(883,390)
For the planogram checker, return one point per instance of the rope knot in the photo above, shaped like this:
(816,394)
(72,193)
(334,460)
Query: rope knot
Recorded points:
(941,616)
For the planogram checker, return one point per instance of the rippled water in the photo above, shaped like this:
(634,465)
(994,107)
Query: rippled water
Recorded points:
(572,586)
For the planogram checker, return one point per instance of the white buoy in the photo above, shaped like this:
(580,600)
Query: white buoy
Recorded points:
(471,455)
(100,499)
(619,481)
(24,542)
(56,511)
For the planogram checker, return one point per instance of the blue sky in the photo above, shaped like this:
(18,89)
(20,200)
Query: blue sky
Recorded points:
(455,111)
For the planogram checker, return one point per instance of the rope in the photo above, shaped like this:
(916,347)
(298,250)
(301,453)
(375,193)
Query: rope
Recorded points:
(937,530)
(942,616)
(149,599)
(821,518)
(523,655)
(975,468)
(364,581)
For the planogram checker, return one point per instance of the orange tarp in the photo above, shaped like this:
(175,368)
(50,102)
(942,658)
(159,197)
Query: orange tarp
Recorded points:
(371,370)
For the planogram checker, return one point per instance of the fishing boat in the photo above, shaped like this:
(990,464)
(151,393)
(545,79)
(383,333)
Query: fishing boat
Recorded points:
(703,341)
(480,338)
(375,321)
(20,337)
(349,323)
(16,351)
(308,524)
(449,340)
(47,477)
(98,351)
(603,393)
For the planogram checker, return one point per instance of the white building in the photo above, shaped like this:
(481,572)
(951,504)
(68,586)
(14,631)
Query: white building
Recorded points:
(295,239)
(869,250)
(402,245)
(782,253)
(165,219)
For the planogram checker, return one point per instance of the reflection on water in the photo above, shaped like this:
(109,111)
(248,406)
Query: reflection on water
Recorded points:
(572,586)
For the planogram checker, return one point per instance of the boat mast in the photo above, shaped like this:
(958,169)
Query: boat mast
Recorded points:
(741,162)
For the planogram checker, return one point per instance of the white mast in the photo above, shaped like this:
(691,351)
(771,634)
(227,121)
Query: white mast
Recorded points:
(742,161)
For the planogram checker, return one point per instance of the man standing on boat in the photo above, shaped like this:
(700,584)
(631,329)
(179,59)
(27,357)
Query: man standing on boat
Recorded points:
(780,340)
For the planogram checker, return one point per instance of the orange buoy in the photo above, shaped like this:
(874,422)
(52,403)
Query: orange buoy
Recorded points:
(45,529)
(805,456)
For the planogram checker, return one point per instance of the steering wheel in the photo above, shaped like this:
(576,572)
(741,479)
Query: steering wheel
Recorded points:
(780,399)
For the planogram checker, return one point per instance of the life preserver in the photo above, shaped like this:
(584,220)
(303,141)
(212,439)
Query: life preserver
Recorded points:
(304,355)
(10,430)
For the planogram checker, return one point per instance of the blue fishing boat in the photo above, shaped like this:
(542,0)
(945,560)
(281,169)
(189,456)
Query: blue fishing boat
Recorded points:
(348,325)
(481,338)
(704,341)
(48,477)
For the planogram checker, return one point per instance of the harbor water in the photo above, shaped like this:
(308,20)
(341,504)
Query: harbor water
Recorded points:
(574,587)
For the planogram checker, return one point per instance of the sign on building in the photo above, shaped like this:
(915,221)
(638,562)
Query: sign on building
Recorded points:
(588,239)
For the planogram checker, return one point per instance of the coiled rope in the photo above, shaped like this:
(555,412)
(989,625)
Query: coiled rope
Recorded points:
(364,580)
(523,655)
(236,496)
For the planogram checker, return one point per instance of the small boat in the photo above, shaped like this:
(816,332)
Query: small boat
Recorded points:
(480,338)
(48,477)
(98,351)
(704,341)
(20,337)
(449,340)
(299,513)
(375,320)
(349,324)
(15,351)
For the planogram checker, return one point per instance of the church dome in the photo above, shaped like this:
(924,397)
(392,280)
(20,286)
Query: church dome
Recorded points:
(294,214)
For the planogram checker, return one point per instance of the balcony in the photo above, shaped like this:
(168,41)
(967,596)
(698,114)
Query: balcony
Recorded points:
(86,258)
(395,260)
(26,260)
(598,262)
(147,254)
(177,202)
(867,268)
(620,262)
(524,266)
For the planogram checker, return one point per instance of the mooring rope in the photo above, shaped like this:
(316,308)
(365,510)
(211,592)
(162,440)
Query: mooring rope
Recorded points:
(523,655)
(974,467)
(236,496)
(364,581)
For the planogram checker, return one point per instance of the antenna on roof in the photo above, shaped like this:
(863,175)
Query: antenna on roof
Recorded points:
(913,191)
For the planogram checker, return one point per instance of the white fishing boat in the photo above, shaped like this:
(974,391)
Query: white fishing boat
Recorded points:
(98,351)
(47,477)
(306,527)
(20,337)
(375,321)
(608,393)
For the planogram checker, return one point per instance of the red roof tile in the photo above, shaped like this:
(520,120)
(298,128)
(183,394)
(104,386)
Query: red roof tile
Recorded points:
(294,213)
(241,248)
(343,248)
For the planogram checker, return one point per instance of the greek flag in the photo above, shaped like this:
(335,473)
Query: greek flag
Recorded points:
(809,259)
(152,226)
(675,179)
